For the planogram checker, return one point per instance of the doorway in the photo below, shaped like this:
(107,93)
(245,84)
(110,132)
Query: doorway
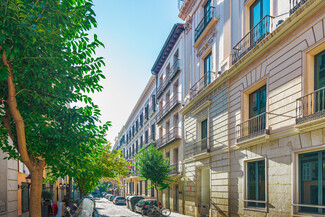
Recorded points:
(204,202)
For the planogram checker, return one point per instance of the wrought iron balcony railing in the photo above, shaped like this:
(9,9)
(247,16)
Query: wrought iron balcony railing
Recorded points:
(175,170)
(253,127)
(169,77)
(204,81)
(200,147)
(310,106)
(204,23)
(295,4)
(168,107)
(253,37)
(168,138)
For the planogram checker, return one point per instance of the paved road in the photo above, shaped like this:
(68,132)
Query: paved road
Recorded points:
(106,208)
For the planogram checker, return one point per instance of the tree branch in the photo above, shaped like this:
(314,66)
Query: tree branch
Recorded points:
(19,121)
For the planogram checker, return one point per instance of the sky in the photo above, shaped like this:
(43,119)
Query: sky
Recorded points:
(133,32)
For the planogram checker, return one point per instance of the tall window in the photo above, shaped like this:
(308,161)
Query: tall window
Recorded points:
(258,10)
(312,181)
(207,12)
(153,132)
(146,137)
(208,69)
(204,134)
(257,109)
(256,183)
(320,70)
(153,101)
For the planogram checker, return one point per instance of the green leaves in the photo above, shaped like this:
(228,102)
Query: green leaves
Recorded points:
(152,165)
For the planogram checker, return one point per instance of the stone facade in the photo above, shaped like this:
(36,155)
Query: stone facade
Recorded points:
(8,187)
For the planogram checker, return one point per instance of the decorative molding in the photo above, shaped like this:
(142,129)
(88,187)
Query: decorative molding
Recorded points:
(206,44)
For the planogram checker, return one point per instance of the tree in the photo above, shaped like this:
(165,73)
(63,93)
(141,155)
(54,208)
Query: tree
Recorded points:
(96,165)
(46,64)
(151,165)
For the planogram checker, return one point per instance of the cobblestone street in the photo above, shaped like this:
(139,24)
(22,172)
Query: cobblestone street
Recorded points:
(106,208)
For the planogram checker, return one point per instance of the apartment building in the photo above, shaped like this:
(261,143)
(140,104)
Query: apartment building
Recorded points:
(8,186)
(254,108)
(168,70)
(139,131)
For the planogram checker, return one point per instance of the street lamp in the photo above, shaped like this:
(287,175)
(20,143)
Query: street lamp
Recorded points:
(28,178)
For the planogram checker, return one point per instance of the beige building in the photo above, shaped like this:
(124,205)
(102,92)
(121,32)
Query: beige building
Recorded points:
(8,186)
(168,70)
(253,126)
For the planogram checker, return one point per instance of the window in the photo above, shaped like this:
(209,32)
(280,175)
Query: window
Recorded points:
(257,110)
(141,120)
(147,112)
(204,134)
(320,70)
(140,187)
(255,184)
(153,132)
(258,10)
(146,188)
(208,69)
(311,172)
(153,100)
(146,137)
(207,12)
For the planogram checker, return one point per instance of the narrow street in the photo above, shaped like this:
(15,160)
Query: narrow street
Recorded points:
(106,208)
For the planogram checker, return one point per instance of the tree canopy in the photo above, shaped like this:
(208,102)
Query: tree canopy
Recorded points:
(48,64)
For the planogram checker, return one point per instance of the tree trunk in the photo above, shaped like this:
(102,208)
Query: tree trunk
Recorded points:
(36,190)
(157,198)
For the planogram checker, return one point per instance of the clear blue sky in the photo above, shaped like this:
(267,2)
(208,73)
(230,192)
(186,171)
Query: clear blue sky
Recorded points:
(133,32)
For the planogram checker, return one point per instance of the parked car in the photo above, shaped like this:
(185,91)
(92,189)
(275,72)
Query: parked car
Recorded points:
(131,201)
(107,196)
(119,200)
(112,197)
(143,205)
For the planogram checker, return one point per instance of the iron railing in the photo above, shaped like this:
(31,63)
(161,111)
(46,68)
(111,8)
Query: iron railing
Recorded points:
(175,170)
(253,37)
(204,23)
(200,147)
(253,127)
(169,77)
(169,137)
(204,81)
(295,4)
(168,107)
(310,106)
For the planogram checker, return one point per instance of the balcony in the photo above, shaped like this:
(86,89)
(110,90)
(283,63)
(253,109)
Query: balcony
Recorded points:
(252,128)
(295,4)
(175,170)
(169,77)
(168,107)
(152,110)
(310,106)
(152,138)
(168,138)
(204,23)
(199,147)
(204,81)
(253,37)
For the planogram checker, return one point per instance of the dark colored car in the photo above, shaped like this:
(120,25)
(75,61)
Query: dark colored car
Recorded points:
(143,205)
(111,198)
(119,200)
(131,201)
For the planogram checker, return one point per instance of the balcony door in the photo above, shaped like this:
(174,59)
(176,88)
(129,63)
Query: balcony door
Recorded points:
(257,109)
(207,12)
(207,69)
(319,81)
(258,10)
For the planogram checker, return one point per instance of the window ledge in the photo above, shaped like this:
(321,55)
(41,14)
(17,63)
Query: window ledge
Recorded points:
(311,125)
(207,29)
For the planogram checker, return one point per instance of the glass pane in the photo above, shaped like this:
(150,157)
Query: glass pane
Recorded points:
(256,183)
(310,188)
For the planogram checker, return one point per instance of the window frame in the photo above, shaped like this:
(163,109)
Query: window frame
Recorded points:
(245,194)
(295,194)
